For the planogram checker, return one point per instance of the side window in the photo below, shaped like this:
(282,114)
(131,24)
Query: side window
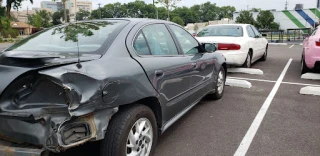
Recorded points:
(255,31)
(140,45)
(250,31)
(159,40)
(188,44)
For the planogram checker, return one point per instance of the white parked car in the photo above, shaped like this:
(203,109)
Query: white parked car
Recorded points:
(241,44)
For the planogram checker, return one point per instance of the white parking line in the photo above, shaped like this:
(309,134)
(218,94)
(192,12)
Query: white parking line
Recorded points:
(291,46)
(241,78)
(246,141)
(263,80)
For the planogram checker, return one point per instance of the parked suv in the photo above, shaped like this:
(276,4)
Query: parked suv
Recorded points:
(123,81)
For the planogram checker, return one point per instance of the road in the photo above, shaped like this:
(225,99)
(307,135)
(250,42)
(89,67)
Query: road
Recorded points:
(289,125)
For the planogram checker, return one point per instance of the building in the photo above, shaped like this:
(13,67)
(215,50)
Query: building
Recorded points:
(292,19)
(22,16)
(55,6)
(23,28)
(318,4)
(76,5)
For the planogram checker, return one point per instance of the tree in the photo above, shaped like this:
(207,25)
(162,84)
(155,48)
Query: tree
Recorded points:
(178,20)
(65,12)
(245,17)
(255,10)
(226,12)
(82,14)
(40,19)
(15,4)
(57,16)
(169,5)
(265,20)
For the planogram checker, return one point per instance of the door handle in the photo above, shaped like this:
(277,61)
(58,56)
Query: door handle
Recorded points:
(159,73)
(194,65)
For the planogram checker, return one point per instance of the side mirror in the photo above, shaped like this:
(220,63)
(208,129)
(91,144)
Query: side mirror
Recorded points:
(264,35)
(209,47)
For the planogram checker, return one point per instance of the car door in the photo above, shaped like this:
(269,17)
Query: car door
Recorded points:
(168,70)
(253,42)
(261,42)
(203,71)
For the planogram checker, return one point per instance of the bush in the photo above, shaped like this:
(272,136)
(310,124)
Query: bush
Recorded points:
(10,33)
(1,40)
(10,40)
(178,20)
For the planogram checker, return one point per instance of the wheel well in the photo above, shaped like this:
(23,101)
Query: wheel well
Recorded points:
(224,65)
(154,104)
(251,52)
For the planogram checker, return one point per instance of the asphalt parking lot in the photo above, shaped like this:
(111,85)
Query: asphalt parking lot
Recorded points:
(290,125)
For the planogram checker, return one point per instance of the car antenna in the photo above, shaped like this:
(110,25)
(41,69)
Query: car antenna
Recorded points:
(78,64)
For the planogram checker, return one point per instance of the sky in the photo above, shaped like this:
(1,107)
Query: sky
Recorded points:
(239,4)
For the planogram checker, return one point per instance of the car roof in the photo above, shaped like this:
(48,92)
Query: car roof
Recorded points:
(132,20)
(243,25)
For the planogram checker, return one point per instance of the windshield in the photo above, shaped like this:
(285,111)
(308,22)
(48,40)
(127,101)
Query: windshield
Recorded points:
(89,37)
(223,30)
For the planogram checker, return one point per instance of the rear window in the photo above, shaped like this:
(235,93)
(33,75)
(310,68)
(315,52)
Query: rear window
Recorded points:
(89,37)
(223,30)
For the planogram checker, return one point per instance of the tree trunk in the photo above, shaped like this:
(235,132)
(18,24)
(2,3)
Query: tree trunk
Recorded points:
(65,11)
(9,5)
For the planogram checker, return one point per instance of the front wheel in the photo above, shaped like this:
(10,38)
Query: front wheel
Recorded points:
(132,131)
(220,85)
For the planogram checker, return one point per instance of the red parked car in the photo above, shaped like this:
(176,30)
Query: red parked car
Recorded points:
(310,60)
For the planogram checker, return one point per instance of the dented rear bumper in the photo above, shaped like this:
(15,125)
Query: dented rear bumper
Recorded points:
(45,134)
(9,149)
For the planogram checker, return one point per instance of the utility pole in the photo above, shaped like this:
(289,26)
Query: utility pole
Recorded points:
(100,9)
(247,7)
(286,6)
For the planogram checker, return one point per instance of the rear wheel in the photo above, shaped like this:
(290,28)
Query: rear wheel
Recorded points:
(247,63)
(133,131)
(304,68)
(220,85)
(264,57)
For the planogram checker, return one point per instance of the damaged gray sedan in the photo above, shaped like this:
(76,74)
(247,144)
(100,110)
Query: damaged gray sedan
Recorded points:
(121,81)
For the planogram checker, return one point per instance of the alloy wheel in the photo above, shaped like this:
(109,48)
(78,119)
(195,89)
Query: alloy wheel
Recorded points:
(140,138)
(221,81)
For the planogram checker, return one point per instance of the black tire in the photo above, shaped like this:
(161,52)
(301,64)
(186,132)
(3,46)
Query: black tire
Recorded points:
(304,68)
(247,63)
(219,93)
(265,55)
(115,141)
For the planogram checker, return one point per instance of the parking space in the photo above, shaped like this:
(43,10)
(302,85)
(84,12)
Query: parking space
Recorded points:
(290,125)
